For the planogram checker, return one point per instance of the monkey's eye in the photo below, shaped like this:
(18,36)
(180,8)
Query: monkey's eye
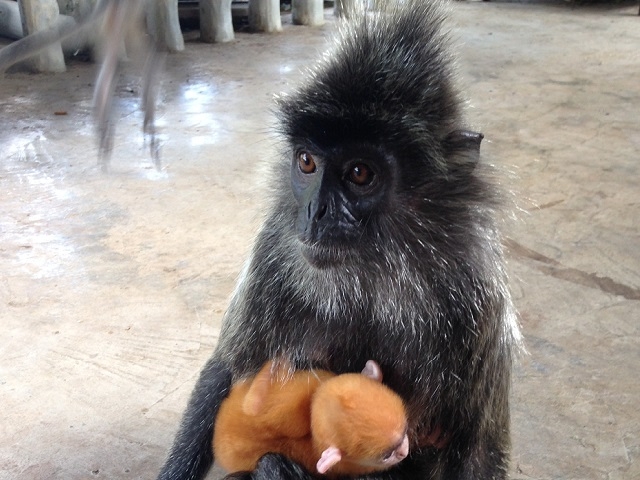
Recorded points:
(360,174)
(306,162)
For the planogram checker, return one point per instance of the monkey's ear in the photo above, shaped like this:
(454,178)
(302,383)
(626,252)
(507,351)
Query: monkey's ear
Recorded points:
(463,148)
(372,370)
(329,458)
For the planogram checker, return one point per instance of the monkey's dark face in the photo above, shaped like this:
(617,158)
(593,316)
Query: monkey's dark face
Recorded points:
(338,192)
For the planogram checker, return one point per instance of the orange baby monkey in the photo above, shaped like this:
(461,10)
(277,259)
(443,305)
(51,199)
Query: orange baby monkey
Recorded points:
(350,424)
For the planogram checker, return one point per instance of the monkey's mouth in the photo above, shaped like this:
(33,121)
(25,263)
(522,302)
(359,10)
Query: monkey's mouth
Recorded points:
(322,256)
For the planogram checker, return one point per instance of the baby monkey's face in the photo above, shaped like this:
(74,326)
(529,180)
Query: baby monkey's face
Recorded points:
(390,457)
(398,453)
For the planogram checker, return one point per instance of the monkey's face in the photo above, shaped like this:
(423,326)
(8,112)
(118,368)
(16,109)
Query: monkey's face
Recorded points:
(339,192)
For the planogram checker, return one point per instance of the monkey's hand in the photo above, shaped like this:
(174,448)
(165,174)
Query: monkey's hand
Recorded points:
(273,466)
(434,438)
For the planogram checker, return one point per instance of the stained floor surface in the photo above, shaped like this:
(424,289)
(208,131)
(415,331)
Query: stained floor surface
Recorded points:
(113,285)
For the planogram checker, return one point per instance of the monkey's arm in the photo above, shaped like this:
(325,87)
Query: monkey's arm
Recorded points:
(191,454)
(277,467)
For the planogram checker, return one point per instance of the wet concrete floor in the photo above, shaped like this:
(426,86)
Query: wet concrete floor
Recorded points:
(113,285)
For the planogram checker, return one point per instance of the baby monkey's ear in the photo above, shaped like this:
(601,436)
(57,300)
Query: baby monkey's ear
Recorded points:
(372,371)
(329,458)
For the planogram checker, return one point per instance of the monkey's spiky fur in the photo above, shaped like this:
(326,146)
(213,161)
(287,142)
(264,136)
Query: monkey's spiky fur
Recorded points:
(388,77)
(423,292)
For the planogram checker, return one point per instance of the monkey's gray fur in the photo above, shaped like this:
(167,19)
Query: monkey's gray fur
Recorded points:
(417,283)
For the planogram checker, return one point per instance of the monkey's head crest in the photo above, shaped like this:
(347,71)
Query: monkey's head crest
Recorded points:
(387,80)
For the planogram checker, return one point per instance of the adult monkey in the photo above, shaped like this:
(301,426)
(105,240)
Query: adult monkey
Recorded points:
(381,243)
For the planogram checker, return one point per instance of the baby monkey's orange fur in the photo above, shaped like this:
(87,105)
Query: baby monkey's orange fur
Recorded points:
(350,423)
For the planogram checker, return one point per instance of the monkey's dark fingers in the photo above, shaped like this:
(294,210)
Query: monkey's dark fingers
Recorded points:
(278,467)
(274,466)
(436,437)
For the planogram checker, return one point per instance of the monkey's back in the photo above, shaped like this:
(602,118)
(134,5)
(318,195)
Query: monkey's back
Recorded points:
(265,414)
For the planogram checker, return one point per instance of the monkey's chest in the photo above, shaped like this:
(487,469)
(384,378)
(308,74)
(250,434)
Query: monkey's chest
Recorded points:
(346,347)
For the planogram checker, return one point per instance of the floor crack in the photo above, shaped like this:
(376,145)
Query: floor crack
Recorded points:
(555,269)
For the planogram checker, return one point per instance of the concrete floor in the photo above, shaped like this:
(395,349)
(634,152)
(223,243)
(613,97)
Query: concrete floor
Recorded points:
(113,286)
